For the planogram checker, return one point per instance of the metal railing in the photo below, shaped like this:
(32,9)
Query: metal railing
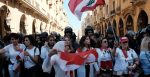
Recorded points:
(29,1)
(35,7)
(138,1)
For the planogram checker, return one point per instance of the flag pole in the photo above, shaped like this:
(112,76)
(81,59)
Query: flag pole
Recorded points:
(114,33)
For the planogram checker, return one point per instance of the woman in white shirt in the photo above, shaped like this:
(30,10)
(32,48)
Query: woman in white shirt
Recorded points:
(105,58)
(31,54)
(55,59)
(89,68)
(44,55)
(126,59)
(12,51)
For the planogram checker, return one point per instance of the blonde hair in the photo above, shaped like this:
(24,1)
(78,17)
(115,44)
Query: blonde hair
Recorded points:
(144,43)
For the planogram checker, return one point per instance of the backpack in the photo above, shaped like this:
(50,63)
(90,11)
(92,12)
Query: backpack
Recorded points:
(39,64)
(40,61)
(38,67)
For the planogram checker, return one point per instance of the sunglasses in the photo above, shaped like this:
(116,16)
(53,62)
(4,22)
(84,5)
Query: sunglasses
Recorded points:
(125,42)
(13,39)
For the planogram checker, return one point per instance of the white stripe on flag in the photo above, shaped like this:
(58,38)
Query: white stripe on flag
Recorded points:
(78,9)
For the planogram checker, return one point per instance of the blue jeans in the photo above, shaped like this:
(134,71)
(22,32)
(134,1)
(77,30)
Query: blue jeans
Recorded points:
(12,73)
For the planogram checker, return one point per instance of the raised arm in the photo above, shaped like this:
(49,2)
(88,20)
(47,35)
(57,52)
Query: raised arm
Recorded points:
(2,51)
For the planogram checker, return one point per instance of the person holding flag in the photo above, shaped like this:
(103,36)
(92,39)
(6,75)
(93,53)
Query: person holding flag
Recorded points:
(66,62)
(126,60)
(58,60)
(87,69)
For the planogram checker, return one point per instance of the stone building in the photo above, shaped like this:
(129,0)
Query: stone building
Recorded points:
(122,15)
(31,16)
(58,18)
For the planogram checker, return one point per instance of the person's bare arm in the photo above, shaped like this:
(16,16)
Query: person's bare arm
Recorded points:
(2,51)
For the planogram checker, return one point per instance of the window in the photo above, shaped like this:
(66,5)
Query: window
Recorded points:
(107,9)
(124,0)
(113,5)
(46,1)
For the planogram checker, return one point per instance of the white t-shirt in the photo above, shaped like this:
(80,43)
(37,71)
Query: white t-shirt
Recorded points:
(81,72)
(60,46)
(28,63)
(105,55)
(59,72)
(44,52)
(121,63)
(99,54)
(46,66)
(12,54)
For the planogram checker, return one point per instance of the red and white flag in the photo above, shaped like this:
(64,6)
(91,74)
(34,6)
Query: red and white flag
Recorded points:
(77,7)
(72,61)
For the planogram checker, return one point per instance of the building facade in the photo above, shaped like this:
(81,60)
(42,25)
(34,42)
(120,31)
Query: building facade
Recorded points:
(122,15)
(58,17)
(30,16)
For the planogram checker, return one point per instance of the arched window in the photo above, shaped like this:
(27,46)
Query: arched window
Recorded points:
(129,23)
(121,31)
(41,27)
(142,20)
(23,24)
(4,20)
(33,27)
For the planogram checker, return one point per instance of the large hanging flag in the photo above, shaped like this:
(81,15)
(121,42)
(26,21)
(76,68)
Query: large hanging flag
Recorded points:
(77,7)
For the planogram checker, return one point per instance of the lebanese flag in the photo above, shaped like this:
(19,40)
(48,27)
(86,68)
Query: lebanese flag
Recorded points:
(77,7)
(72,61)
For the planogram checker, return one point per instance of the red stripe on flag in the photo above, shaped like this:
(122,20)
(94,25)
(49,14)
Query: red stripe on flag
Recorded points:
(78,58)
(95,53)
(72,58)
(73,4)
(99,2)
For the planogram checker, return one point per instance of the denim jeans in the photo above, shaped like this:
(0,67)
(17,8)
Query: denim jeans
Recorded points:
(12,73)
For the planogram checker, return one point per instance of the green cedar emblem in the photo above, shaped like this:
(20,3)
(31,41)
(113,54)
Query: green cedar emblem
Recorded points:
(90,2)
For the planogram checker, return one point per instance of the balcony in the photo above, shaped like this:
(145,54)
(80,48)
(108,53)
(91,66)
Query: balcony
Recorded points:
(29,1)
(112,13)
(138,2)
(36,9)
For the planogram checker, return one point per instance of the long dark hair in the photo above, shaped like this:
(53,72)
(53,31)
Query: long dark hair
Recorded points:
(14,35)
(92,43)
(31,39)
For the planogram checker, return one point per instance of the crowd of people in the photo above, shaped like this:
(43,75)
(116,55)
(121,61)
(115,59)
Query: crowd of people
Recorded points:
(38,55)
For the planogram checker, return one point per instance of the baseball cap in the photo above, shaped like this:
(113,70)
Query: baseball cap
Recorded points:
(123,39)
